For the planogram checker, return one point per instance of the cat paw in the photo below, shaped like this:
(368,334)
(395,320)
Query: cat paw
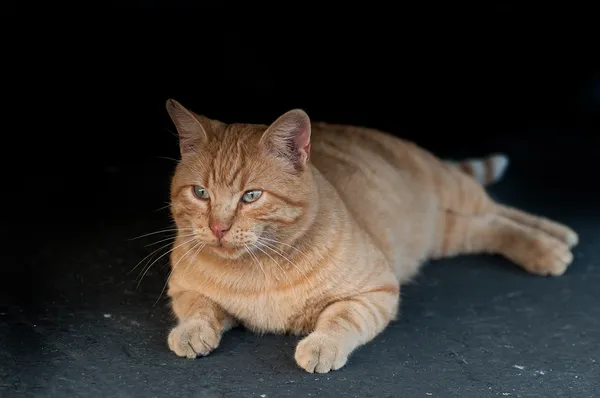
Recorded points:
(319,352)
(193,338)
(551,258)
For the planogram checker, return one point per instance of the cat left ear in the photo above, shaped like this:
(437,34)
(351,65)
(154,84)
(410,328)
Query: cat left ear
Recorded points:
(288,137)
(190,130)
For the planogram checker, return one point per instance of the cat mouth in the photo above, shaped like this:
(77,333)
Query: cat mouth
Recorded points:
(225,249)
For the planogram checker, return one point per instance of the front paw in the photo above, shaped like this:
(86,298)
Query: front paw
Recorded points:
(193,338)
(319,352)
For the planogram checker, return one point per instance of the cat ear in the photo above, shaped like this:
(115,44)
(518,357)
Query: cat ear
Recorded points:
(288,137)
(190,130)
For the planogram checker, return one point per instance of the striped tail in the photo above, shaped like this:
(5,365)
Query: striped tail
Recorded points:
(487,170)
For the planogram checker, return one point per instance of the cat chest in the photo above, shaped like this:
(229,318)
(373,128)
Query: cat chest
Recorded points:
(267,312)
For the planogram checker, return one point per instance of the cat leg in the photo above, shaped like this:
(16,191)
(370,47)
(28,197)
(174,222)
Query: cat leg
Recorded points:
(345,325)
(552,228)
(533,249)
(201,325)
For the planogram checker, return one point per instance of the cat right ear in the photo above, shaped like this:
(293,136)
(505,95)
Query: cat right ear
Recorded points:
(288,137)
(190,130)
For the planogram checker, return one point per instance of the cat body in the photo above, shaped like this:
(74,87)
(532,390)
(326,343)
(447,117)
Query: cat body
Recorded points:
(312,228)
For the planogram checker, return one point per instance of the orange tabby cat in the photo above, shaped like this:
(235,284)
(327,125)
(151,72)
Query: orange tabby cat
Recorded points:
(311,228)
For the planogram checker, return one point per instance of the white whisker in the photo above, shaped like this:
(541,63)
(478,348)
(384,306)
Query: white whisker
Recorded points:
(268,246)
(168,158)
(287,245)
(168,204)
(161,256)
(298,250)
(197,252)
(278,265)
(142,260)
(198,245)
(170,238)
(163,231)
(256,260)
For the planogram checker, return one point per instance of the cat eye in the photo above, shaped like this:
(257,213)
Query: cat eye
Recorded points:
(201,193)
(251,196)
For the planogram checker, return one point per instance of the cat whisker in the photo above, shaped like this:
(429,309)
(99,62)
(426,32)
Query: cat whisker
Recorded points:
(278,265)
(256,260)
(310,260)
(161,256)
(163,231)
(199,246)
(171,238)
(142,260)
(168,204)
(168,158)
(198,252)
(268,246)
(299,251)
(287,245)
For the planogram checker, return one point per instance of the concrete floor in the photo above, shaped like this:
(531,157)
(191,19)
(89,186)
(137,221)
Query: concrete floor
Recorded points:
(75,323)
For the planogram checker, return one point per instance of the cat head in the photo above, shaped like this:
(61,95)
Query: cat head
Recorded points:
(241,187)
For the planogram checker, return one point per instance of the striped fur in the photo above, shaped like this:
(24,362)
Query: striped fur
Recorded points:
(346,216)
(487,170)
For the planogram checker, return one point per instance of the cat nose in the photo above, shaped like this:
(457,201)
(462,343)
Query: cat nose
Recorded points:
(219,229)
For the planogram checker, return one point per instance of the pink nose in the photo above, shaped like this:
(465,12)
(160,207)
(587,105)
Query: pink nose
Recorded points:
(219,229)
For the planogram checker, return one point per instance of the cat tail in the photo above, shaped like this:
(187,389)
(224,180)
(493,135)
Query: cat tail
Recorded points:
(487,170)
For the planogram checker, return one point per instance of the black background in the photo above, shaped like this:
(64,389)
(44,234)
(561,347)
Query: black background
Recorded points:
(88,141)
(90,92)
(446,77)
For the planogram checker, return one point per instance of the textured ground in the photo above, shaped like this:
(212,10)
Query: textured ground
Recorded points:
(75,323)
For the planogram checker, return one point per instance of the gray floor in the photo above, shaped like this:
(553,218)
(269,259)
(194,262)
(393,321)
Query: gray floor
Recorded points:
(74,322)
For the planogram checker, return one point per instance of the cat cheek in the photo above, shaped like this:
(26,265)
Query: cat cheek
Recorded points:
(200,228)
(255,228)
